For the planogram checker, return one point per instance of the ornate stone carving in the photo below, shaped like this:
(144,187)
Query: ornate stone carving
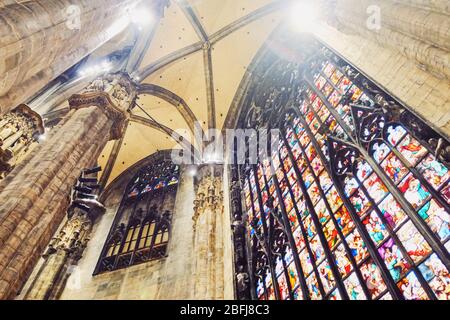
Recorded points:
(209,194)
(114,94)
(238,228)
(242,282)
(67,247)
(19,131)
(63,252)
(208,238)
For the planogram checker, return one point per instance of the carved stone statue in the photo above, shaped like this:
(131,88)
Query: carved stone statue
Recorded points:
(242,281)
(19,130)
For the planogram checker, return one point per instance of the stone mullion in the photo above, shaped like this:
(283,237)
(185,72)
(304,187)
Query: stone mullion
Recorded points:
(267,232)
(393,235)
(289,232)
(416,174)
(339,284)
(345,204)
(326,104)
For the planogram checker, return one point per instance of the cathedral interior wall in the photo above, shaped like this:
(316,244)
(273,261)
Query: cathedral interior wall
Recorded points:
(161,279)
(167,278)
(407,57)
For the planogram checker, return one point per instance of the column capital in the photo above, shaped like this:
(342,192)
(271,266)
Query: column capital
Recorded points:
(114,94)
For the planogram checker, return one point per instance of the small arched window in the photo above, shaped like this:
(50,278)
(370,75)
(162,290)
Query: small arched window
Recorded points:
(141,229)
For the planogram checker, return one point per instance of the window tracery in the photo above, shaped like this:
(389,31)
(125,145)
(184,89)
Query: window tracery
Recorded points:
(141,229)
(354,204)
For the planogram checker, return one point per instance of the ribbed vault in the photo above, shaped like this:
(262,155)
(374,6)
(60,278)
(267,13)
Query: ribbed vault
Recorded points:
(190,73)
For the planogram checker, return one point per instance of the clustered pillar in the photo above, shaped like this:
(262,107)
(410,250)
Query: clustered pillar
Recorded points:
(35,196)
(42,39)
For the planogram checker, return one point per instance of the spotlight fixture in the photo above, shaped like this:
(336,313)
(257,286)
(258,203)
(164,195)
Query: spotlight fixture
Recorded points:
(84,195)
(92,170)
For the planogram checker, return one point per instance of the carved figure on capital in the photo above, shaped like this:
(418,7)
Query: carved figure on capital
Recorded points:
(19,131)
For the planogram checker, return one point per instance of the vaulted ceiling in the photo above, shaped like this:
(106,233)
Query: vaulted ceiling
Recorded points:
(190,72)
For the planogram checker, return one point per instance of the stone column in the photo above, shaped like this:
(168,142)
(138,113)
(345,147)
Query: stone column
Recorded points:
(208,247)
(42,39)
(35,196)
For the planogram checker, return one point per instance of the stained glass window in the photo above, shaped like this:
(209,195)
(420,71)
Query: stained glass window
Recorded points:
(140,232)
(354,204)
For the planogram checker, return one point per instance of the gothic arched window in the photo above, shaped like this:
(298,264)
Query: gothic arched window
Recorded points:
(140,231)
(355,202)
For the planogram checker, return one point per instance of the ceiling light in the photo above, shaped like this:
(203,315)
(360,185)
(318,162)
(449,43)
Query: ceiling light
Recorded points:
(303,16)
(141,16)
(192,171)
(106,66)
(97,69)
(41,138)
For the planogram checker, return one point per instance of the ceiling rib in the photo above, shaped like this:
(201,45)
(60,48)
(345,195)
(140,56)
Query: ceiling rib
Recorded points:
(214,38)
(141,46)
(210,97)
(245,20)
(204,44)
(170,58)
(193,19)
(106,174)
(175,100)
(164,129)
